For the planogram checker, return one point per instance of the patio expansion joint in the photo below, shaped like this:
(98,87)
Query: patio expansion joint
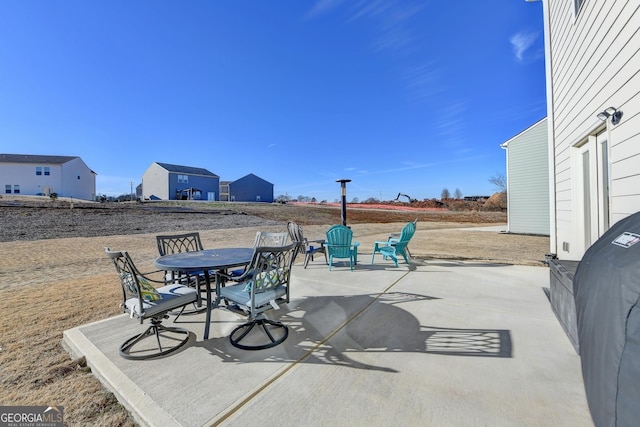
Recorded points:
(234,408)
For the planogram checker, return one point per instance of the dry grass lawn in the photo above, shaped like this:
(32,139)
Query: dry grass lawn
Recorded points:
(48,286)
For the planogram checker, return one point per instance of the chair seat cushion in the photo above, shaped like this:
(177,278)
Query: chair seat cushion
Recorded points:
(148,292)
(238,294)
(313,249)
(171,296)
(264,279)
(235,274)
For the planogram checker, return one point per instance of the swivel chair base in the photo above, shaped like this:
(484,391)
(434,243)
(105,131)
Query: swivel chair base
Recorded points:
(269,327)
(184,312)
(155,329)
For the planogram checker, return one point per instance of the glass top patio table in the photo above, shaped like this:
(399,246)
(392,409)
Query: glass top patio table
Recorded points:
(205,261)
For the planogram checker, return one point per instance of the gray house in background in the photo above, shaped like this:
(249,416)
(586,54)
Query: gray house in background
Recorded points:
(164,181)
(251,188)
(31,174)
(528,180)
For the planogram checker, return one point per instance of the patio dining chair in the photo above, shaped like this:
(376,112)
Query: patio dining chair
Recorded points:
(178,243)
(395,248)
(339,245)
(262,287)
(143,302)
(271,239)
(308,247)
(263,238)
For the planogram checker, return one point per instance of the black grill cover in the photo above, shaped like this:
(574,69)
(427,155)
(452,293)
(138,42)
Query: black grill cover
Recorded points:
(606,287)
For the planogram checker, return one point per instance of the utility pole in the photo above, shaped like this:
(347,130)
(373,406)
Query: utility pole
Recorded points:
(131,194)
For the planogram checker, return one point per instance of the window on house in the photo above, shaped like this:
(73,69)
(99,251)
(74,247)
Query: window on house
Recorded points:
(16,189)
(183,179)
(38,170)
(577,4)
(47,171)
(7,189)
(258,198)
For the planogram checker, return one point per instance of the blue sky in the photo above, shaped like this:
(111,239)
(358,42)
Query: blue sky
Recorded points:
(398,96)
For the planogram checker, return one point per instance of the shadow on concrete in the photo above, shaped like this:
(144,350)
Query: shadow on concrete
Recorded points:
(328,330)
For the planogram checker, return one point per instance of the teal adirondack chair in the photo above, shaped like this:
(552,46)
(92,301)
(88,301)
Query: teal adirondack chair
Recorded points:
(339,245)
(394,248)
(394,237)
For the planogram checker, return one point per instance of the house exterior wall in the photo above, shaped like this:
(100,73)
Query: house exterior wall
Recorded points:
(251,188)
(24,176)
(158,182)
(206,184)
(69,179)
(528,181)
(593,63)
(155,183)
(78,181)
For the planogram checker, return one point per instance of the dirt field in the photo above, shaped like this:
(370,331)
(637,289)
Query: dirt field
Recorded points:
(37,218)
(52,262)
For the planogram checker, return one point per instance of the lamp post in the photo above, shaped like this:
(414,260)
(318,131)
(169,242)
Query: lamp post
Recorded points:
(343,191)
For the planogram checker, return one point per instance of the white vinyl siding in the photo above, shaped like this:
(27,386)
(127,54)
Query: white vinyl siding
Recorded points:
(155,182)
(595,64)
(76,180)
(60,178)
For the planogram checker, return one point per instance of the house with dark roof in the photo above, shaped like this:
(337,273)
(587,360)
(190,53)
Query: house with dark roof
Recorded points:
(251,188)
(164,181)
(30,174)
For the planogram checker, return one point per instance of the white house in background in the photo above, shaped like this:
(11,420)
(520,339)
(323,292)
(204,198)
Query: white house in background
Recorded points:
(164,181)
(528,180)
(30,174)
(593,95)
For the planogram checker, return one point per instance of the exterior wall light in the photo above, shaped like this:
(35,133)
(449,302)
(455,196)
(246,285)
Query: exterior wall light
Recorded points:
(612,112)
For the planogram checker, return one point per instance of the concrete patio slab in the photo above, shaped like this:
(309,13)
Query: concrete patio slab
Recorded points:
(444,343)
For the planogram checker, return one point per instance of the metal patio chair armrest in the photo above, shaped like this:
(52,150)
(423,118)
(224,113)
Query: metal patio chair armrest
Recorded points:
(263,290)
(146,302)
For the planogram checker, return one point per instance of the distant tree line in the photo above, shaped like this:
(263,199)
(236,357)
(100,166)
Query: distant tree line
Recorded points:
(102,198)
(499,181)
